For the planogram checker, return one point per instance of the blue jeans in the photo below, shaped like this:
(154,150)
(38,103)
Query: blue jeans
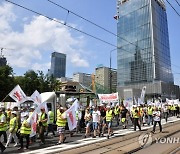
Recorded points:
(150,119)
(95,125)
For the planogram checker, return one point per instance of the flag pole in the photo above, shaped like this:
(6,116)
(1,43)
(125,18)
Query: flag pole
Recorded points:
(5,98)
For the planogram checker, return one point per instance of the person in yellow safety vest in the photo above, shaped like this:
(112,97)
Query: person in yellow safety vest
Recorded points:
(3,125)
(124,113)
(42,122)
(136,116)
(8,117)
(61,123)
(140,109)
(116,113)
(149,113)
(174,110)
(50,123)
(109,118)
(25,132)
(13,127)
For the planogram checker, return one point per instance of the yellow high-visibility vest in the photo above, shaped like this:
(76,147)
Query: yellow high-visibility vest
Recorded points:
(135,114)
(11,125)
(116,111)
(109,115)
(24,129)
(150,111)
(42,117)
(60,121)
(51,117)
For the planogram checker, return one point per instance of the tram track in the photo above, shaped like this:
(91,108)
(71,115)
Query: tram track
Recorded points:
(123,144)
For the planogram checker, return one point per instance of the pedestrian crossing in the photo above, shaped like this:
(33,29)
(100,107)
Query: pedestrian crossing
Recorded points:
(87,141)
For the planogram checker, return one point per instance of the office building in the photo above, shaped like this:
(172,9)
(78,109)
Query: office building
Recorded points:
(83,78)
(143,54)
(103,79)
(58,65)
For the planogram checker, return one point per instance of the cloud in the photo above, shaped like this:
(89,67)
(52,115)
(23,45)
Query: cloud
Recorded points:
(40,67)
(6,17)
(36,38)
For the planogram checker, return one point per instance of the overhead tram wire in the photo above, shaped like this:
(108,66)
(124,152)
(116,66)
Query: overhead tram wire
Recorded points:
(95,24)
(72,27)
(62,23)
(173,8)
(177,2)
(92,23)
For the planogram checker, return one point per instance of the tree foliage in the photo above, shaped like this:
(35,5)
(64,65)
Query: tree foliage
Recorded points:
(30,82)
(6,81)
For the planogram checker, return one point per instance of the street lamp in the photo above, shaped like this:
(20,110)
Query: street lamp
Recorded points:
(110,70)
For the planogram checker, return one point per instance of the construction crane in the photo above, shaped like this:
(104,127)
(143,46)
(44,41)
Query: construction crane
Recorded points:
(2,48)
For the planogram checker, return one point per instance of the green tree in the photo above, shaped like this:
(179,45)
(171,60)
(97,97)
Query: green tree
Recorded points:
(30,82)
(6,81)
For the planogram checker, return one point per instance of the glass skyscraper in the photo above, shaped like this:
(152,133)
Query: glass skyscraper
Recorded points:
(58,65)
(143,54)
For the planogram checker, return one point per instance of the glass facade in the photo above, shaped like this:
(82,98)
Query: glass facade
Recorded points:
(58,65)
(145,56)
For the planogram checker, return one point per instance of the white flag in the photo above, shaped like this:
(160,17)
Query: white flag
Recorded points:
(36,97)
(18,95)
(143,93)
(71,115)
(33,121)
(71,118)
(135,102)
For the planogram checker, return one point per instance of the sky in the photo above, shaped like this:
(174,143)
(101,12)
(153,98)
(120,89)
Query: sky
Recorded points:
(30,38)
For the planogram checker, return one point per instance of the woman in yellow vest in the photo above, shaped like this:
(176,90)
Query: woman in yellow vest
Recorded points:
(13,127)
(61,123)
(25,132)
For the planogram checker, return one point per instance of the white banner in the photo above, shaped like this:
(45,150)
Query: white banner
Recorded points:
(108,97)
(18,95)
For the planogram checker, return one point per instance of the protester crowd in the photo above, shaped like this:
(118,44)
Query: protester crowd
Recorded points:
(93,121)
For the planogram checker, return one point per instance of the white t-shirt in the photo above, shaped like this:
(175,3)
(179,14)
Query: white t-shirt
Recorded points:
(96,116)
(165,108)
(157,115)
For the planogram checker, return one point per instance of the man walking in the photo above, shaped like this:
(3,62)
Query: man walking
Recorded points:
(42,125)
(157,119)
